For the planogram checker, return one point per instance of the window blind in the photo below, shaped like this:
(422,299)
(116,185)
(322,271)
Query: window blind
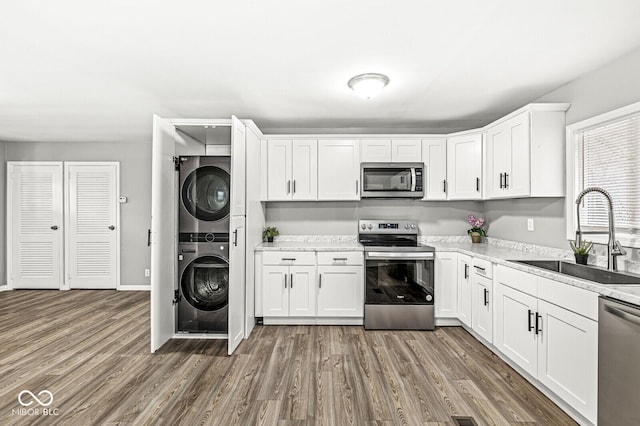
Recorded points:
(608,156)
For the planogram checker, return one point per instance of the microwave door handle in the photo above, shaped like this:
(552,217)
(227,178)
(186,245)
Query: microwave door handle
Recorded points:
(413,179)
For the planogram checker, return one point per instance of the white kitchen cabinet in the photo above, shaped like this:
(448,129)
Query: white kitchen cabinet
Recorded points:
(289,291)
(446,285)
(464,167)
(525,153)
(391,150)
(338,169)
(340,291)
(292,170)
(434,156)
(375,150)
(238,167)
(482,306)
(406,151)
(464,289)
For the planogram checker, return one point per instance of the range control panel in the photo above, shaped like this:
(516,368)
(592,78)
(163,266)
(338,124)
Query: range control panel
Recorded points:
(387,226)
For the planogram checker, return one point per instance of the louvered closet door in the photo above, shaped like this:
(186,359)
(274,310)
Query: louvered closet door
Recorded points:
(35,221)
(92,228)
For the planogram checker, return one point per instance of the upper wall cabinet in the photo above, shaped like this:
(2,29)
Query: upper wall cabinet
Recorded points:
(292,170)
(391,150)
(434,156)
(338,169)
(525,153)
(464,167)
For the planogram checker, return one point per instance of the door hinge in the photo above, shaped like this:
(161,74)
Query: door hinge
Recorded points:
(176,163)
(176,297)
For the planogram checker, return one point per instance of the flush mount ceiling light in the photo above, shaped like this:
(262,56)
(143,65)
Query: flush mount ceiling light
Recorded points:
(368,85)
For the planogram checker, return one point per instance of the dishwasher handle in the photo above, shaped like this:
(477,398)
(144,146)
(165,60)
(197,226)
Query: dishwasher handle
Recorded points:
(623,313)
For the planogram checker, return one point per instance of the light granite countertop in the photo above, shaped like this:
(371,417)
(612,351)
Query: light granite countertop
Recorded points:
(495,251)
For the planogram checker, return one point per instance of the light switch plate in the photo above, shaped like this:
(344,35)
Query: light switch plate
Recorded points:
(122,200)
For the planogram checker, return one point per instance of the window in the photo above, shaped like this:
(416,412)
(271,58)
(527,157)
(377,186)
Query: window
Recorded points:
(606,154)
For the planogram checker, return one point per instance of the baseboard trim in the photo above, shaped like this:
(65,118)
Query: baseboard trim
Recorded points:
(134,288)
(312,321)
(447,322)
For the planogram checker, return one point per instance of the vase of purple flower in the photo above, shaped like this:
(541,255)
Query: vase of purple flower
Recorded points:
(476,230)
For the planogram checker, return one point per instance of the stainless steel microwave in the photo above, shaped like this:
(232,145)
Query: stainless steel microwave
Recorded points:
(391,180)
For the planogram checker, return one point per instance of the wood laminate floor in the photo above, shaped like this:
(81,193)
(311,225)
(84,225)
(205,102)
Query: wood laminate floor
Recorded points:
(90,349)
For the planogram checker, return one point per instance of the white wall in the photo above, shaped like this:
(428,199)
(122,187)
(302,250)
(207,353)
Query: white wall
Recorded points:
(135,184)
(612,86)
(3,216)
(340,217)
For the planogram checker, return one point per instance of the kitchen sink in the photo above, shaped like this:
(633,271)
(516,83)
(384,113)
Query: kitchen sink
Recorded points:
(585,272)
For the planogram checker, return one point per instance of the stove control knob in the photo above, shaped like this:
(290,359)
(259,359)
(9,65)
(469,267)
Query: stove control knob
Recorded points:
(363,226)
(369,226)
(413,226)
(406,226)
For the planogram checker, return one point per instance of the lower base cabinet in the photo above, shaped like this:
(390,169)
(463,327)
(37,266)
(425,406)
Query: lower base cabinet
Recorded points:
(340,291)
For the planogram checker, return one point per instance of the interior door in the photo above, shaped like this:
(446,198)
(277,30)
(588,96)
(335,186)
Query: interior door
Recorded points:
(238,167)
(237,283)
(163,232)
(35,237)
(91,194)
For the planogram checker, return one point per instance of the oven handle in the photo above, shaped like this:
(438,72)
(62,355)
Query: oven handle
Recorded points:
(390,255)
(413,179)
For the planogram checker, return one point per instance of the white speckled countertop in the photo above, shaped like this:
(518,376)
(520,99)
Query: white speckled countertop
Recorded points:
(496,251)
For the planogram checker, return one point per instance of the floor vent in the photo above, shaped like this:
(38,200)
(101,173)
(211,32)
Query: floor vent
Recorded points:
(464,421)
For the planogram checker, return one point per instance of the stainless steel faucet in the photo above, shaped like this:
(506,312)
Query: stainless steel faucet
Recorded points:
(614,248)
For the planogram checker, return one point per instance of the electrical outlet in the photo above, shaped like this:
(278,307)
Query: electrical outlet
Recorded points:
(147,273)
(529,224)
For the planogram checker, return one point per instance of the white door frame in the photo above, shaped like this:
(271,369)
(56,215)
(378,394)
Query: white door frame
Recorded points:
(67,224)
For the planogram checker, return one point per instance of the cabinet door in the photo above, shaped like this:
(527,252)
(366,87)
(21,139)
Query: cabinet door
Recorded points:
(568,357)
(340,291)
(238,167)
(464,167)
(302,291)
(464,289)
(338,169)
(275,295)
(434,156)
(237,283)
(498,163)
(35,225)
(279,158)
(446,285)
(518,177)
(406,150)
(304,170)
(482,306)
(376,150)
(515,327)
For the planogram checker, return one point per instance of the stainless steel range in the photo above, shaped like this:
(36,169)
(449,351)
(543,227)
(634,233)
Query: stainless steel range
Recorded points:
(399,276)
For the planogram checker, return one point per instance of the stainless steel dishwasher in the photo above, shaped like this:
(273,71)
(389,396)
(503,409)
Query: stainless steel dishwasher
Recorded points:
(618,363)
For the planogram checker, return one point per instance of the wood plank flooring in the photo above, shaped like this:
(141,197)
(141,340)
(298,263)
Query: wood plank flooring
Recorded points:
(90,349)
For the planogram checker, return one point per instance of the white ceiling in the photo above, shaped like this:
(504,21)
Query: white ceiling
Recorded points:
(97,71)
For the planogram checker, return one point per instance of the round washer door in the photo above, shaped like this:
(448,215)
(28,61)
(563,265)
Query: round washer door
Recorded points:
(206,193)
(205,283)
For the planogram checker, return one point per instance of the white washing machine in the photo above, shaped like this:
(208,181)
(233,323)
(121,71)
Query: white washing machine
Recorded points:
(203,293)
(205,194)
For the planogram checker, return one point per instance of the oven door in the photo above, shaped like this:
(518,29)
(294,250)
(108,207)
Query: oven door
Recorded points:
(396,278)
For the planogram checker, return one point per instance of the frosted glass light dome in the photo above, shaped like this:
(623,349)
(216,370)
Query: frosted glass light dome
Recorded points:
(368,85)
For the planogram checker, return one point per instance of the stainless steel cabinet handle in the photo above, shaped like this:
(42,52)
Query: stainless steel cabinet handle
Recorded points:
(444,185)
(538,323)
(357,187)
(486,297)
(111,227)
(291,259)
(320,281)
(285,280)
(501,175)
(337,259)
(148,237)
(288,187)
(478,184)
(466,271)
(529,313)
(291,281)
(54,227)
(479,267)
(294,186)
(506,182)
(235,238)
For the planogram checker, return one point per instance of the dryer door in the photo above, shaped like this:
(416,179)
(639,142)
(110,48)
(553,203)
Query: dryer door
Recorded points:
(206,193)
(205,283)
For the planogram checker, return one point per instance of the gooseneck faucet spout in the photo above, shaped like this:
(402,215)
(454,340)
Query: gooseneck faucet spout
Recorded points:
(614,249)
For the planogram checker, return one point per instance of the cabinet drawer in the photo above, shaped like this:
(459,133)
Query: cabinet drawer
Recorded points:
(578,300)
(340,258)
(482,267)
(519,280)
(289,258)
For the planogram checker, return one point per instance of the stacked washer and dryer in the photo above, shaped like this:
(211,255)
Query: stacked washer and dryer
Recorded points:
(203,244)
